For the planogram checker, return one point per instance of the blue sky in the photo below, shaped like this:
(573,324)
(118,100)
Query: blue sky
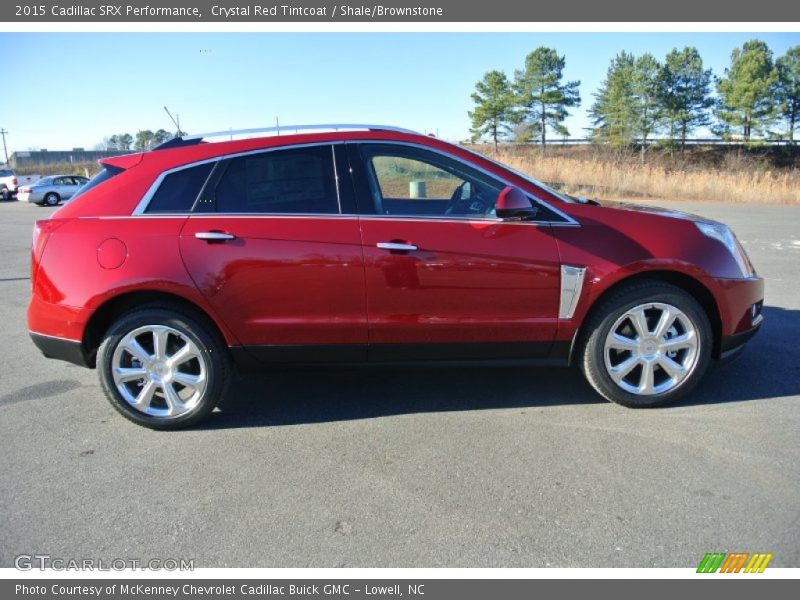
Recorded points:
(70,90)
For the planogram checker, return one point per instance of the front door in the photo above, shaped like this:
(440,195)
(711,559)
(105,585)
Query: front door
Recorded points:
(445,278)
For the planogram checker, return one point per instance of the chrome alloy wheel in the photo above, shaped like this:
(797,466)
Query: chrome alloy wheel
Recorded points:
(651,349)
(159,371)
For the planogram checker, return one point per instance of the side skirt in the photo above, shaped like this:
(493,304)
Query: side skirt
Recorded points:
(504,354)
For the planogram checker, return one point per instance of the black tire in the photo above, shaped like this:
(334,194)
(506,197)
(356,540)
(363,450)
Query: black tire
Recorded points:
(603,317)
(194,327)
(51,199)
(5,194)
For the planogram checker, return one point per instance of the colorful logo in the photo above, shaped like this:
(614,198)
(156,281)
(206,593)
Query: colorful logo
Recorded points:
(734,562)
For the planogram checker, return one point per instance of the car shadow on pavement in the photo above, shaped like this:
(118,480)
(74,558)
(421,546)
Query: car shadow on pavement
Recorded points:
(768,368)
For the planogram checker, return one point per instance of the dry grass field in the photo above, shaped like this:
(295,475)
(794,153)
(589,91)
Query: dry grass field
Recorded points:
(721,177)
(717,175)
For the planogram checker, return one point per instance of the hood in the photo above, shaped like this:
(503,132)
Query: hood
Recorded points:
(656,210)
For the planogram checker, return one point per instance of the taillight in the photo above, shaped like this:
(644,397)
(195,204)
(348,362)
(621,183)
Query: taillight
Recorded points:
(14,181)
(41,232)
(25,190)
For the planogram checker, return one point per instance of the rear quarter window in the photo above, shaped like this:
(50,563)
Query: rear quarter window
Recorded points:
(179,190)
(106,173)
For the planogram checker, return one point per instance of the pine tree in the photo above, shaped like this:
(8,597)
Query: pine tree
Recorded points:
(647,106)
(747,91)
(542,96)
(685,87)
(613,111)
(789,88)
(493,103)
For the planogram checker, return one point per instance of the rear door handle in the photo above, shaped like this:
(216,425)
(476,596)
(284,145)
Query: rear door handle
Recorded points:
(214,236)
(396,246)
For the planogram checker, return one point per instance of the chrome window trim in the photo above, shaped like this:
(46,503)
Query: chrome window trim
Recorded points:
(571,287)
(148,196)
(568,221)
(141,207)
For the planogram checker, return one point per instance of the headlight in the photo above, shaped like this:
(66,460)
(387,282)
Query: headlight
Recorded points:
(723,234)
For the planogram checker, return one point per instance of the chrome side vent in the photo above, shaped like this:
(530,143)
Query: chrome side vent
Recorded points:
(571,286)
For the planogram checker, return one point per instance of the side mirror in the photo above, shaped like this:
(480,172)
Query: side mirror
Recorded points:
(513,204)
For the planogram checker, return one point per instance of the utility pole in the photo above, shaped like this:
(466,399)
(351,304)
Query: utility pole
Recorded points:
(3,132)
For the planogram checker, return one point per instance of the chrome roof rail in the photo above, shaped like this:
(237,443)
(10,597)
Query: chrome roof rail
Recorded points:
(291,129)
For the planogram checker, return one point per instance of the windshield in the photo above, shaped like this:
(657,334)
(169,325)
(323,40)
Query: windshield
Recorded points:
(524,176)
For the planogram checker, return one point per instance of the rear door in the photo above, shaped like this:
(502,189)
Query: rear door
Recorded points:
(274,245)
(445,277)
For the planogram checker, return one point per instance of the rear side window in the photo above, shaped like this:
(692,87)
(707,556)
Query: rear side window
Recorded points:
(300,180)
(179,190)
(106,173)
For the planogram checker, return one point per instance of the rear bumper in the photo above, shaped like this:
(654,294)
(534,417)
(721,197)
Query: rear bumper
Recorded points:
(60,349)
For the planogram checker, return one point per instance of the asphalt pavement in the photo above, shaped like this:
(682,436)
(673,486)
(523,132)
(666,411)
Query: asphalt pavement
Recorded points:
(412,467)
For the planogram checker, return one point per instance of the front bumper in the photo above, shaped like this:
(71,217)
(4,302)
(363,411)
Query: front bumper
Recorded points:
(740,302)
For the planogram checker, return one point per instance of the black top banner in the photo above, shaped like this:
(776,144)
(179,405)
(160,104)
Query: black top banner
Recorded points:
(418,11)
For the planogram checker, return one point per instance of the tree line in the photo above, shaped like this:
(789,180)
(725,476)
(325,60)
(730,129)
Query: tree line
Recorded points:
(145,139)
(642,98)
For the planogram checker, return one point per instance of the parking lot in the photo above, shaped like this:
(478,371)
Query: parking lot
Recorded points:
(412,467)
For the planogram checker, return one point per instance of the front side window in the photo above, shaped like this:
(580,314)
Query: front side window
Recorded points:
(416,182)
(293,181)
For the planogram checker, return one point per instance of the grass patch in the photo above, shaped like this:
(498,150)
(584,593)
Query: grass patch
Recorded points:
(700,174)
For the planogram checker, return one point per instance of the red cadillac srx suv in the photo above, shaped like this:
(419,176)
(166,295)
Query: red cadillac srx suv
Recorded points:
(354,243)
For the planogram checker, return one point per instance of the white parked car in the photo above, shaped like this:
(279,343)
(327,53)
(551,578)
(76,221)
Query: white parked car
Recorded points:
(8,184)
(51,190)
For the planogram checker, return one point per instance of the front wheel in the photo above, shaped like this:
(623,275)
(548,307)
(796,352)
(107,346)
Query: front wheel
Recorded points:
(646,345)
(162,369)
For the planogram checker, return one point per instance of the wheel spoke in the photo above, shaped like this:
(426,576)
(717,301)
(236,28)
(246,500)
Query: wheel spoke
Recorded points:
(664,322)
(134,348)
(123,374)
(620,342)
(620,371)
(160,338)
(145,396)
(190,381)
(647,380)
(186,353)
(639,321)
(174,403)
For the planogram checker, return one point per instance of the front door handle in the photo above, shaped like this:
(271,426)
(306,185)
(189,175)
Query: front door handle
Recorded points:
(397,246)
(214,236)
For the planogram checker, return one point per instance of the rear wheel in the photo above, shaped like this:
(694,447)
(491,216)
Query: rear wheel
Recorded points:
(52,199)
(5,194)
(162,369)
(646,345)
